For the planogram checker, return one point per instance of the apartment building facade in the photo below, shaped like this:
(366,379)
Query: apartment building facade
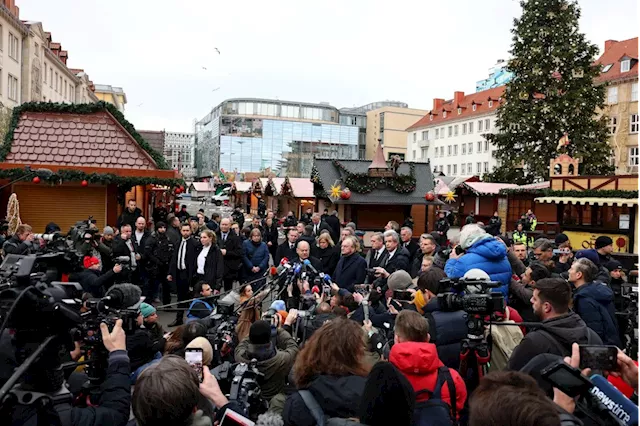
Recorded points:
(388,124)
(451,135)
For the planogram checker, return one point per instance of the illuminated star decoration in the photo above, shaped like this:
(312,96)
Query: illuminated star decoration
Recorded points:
(450,197)
(336,190)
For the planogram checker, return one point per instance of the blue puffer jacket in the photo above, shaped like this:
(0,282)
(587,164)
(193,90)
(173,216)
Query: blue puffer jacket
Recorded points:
(594,303)
(488,255)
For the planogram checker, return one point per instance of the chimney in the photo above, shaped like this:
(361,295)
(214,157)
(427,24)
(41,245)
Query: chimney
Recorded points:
(609,43)
(437,104)
(457,98)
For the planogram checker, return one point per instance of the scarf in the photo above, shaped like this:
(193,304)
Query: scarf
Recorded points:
(420,302)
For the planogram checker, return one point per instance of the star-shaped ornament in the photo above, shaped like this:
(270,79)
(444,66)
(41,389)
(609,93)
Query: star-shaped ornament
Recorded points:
(450,197)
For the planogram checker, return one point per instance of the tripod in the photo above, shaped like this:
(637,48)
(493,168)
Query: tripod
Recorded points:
(474,353)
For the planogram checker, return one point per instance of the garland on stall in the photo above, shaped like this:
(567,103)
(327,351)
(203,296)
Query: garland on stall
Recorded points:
(51,107)
(318,189)
(590,193)
(363,183)
(95,178)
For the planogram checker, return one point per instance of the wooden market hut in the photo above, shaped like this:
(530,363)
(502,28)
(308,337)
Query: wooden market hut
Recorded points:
(68,162)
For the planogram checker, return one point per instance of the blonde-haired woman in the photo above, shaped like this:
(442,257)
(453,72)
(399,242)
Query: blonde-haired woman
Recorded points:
(328,253)
(209,261)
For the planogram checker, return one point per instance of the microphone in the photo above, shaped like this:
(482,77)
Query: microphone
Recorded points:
(315,289)
(308,264)
(616,403)
(122,296)
(326,278)
(273,271)
(284,261)
(280,270)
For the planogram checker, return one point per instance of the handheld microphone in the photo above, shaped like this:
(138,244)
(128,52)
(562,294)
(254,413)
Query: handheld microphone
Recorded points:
(315,289)
(308,264)
(280,270)
(619,405)
(273,271)
(284,261)
(122,296)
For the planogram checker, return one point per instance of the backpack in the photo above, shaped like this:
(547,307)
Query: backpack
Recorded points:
(319,416)
(434,411)
(504,340)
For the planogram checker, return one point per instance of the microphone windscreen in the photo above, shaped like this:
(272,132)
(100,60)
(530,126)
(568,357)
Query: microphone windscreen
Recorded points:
(123,295)
(315,289)
(273,270)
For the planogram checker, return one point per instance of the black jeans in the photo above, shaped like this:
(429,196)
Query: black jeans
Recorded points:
(182,286)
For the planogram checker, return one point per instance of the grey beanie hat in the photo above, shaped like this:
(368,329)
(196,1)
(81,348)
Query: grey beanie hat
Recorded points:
(108,231)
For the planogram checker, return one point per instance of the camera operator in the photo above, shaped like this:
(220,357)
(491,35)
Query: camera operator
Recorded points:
(92,280)
(560,326)
(141,348)
(21,242)
(274,362)
(105,248)
(521,291)
(169,393)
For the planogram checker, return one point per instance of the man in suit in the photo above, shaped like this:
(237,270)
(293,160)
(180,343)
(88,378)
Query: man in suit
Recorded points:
(231,247)
(303,252)
(182,268)
(124,247)
(334,223)
(308,237)
(412,247)
(398,257)
(288,248)
(318,226)
(377,256)
(352,268)
(428,247)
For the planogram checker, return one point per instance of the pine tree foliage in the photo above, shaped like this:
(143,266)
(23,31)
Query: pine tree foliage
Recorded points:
(551,94)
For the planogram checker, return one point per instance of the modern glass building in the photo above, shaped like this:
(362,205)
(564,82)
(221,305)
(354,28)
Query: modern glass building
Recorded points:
(249,135)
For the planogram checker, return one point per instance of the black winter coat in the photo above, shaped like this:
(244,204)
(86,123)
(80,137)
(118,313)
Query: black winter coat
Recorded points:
(400,260)
(141,348)
(129,218)
(14,246)
(93,281)
(189,259)
(336,396)
(329,258)
(555,336)
(447,329)
(213,266)
(283,251)
(233,258)
(594,303)
(158,251)
(350,270)
(334,224)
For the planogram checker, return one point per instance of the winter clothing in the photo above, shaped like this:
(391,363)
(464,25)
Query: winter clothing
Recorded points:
(399,280)
(519,237)
(254,255)
(329,258)
(334,224)
(388,397)
(14,246)
(401,260)
(199,309)
(603,241)
(141,348)
(493,228)
(147,310)
(350,270)
(93,281)
(488,255)
(275,366)
(337,397)
(594,303)
(447,329)
(419,362)
(561,238)
(603,273)
(555,336)
(129,218)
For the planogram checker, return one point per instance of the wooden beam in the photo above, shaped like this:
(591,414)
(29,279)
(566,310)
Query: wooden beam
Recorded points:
(161,174)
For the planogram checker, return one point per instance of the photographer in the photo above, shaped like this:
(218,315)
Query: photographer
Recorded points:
(521,291)
(274,362)
(141,348)
(91,279)
(21,242)
(105,248)
(169,393)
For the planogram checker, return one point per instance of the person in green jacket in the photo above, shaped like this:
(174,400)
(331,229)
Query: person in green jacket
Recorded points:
(519,235)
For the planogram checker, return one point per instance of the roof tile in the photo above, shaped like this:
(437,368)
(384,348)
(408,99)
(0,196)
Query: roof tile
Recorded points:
(613,55)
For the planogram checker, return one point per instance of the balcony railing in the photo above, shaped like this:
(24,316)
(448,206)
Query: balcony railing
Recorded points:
(423,143)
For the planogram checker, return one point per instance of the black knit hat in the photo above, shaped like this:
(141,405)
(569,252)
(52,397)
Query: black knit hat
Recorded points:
(161,225)
(561,238)
(388,397)
(603,241)
(260,333)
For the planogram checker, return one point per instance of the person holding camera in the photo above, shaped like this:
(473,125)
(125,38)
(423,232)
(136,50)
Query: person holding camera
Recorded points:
(275,356)
(21,242)
(92,279)
(124,247)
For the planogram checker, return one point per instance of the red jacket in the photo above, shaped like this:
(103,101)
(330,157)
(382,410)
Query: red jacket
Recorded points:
(419,363)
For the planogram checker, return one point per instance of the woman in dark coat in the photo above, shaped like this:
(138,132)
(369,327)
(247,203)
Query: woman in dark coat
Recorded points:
(255,258)
(328,253)
(271,236)
(209,261)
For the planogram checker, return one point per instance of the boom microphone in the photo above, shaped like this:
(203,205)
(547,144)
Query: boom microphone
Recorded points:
(122,296)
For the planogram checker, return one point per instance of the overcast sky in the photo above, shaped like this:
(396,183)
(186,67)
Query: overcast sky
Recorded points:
(347,53)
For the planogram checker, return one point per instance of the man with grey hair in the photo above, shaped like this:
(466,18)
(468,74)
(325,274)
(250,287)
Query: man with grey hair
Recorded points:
(593,301)
(412,247)
(318,226)
(377,256)
(481,251)
(398,257)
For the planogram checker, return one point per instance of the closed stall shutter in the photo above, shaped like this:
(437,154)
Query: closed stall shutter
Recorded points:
(64,205)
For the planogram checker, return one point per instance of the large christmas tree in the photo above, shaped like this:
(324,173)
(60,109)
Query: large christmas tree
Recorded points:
(551,95)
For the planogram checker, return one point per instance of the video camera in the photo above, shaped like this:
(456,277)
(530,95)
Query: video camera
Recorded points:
(243,386)
(484,303)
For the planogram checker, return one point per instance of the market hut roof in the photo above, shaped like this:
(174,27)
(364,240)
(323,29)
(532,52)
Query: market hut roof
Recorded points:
(327,172)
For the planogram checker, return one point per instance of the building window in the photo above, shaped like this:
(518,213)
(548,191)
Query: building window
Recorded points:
(634,92)
(423,153)
(463,169)
(625,65)
(444,114)
(478,167)
(0,81)
(474,107)
(415,136)
(633,156)
(455,169)
(455,150)
(459,111)
(450,131)
(56,81)
(425,135)
(51,77)
(442,132)
(36,50)
(479,125)
(441,168)
(455,130)
(479,147)
(471,127)
(1,38)
(430,117)
(464,149)
(13,47)
(612,95)
(464,128)
(607,68)
(470,147)
(469,168)
(485,167)
(414,155)
(12,88)
(449,169)
(437,133)
(487,124)
(65,89)
(45,73)
(448,150)
(634,123)
(442,151)
(613,124)
(490,104)
(486,146)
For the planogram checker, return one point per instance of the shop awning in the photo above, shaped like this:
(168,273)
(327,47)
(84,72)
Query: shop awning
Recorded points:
(589,200)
